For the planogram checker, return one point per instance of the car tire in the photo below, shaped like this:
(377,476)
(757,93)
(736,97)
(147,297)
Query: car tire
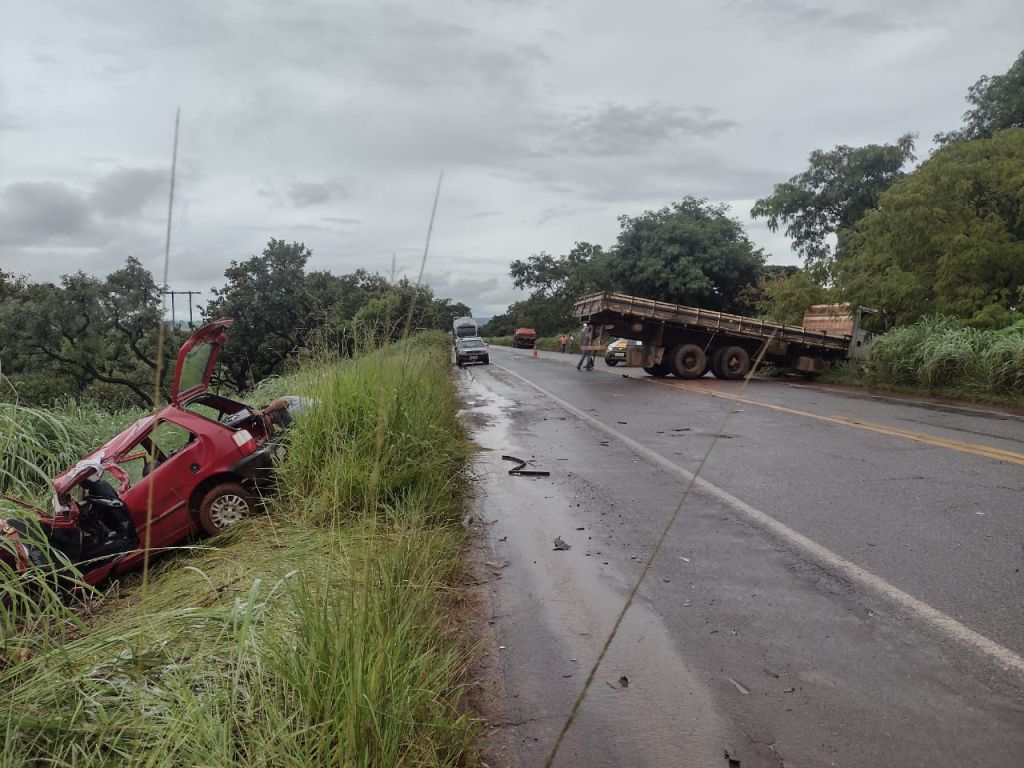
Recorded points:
(487,361)
(225,505)
(611,363)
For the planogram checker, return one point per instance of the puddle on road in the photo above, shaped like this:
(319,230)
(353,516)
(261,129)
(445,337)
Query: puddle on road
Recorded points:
(561,605)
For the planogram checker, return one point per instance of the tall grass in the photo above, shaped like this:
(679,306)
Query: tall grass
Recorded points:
(940,353)
(38,443)
(317,635)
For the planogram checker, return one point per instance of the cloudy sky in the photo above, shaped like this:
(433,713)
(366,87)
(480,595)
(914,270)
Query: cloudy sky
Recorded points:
(328,122)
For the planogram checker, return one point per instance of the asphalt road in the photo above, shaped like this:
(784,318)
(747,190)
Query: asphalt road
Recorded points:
(843,584)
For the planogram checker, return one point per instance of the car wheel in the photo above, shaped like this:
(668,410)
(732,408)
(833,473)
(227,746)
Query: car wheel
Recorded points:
(612,363)
(487,361)
(223,506)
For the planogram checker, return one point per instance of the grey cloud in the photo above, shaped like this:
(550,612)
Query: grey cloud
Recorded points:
(482,215)
(304,194)
(340,220)
(616,129)
(793,14)
(38,212)
(562,211)
(127,191)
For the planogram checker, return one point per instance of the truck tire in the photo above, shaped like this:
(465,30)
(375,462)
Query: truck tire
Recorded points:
(611,363)
(687,361)
(731,363)
(660,370)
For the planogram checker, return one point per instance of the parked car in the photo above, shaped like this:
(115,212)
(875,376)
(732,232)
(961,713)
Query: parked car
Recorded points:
(524,338)
(615,353)
(199,464)
(471,350)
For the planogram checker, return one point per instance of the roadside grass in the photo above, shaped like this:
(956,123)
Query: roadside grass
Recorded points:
(940,356)
(319,634)
(37,443)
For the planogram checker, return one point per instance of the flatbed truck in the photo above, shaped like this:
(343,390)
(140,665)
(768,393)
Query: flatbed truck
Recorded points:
(687,342)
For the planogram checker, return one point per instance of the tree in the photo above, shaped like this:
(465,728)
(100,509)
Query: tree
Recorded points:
(85,336)
(998,103)
(554,284)
(691,252)
(947,239)
(785,298)
(273,305)
(836,190)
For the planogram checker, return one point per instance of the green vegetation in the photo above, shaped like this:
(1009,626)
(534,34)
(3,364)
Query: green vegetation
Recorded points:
(947,239)
(38,443)
(98,339)
(690,252)
(943,356)
(997,103)
(318,634)
(837,188)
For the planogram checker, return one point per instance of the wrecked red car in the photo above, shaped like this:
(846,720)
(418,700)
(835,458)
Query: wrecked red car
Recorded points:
(199,464)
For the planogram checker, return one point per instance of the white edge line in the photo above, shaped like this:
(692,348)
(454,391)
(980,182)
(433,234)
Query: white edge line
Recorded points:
(934,618)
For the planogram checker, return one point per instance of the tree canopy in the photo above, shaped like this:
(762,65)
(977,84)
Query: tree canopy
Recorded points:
(691,252)
(84,337)
(949,238)
(279,309)
(836,190)
(997,104)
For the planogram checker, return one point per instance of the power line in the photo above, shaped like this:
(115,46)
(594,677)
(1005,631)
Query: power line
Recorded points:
(190,294)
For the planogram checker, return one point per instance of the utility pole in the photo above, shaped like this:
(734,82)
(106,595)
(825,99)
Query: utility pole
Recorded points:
(190,294)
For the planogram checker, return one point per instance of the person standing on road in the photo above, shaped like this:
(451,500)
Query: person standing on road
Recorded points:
(562,340)
(587,358)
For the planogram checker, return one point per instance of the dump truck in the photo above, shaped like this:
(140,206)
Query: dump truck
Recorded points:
(687,342)
(524,338)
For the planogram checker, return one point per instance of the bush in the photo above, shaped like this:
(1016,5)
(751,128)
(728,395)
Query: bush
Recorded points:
(941,353)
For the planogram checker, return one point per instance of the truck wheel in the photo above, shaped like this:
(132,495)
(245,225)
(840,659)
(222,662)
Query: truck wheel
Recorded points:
(611,363)
(687,361)
(731,363)
(223,506)
(660,370)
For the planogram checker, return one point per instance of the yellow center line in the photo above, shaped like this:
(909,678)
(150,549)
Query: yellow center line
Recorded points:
(975,449)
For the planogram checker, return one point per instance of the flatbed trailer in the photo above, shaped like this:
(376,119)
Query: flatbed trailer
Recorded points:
(690,341)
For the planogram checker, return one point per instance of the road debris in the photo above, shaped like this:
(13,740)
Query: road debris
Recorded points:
(740,687)
(518,470)
(497,566)
(561,545)
(623,683)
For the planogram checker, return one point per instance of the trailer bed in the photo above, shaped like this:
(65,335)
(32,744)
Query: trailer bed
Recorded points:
(621,305)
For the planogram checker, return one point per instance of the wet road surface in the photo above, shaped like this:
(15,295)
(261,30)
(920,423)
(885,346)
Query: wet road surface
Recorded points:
(842,586)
